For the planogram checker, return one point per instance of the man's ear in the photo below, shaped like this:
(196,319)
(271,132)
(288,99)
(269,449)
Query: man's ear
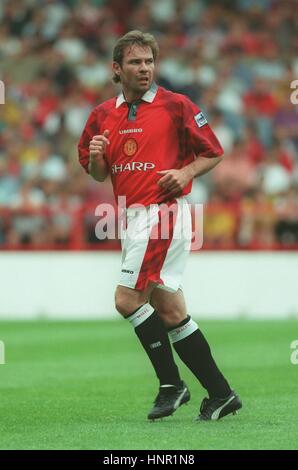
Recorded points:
(116,68)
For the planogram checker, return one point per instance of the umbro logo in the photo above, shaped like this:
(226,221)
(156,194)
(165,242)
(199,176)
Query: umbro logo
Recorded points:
(130,131)
(126,271)
(155,345)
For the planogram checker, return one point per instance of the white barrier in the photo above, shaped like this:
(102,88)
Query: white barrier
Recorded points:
(81,285)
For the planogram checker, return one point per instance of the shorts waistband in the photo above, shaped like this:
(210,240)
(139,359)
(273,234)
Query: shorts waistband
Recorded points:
(137,210)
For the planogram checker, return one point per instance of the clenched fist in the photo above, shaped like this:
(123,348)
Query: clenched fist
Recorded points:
(98,145)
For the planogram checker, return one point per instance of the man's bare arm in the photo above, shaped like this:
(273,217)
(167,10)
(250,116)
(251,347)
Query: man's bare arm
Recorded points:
(175,180)
(97,167)
(200,166)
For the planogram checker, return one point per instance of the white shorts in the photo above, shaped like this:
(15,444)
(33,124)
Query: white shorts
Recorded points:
(155,243)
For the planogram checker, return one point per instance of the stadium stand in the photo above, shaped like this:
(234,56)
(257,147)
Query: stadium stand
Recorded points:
(235,58)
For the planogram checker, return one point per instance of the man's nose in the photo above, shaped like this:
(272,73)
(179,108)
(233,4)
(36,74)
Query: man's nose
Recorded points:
(144,66)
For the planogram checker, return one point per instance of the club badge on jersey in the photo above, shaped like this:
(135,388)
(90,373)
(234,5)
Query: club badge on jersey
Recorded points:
(130,147)
(200,119)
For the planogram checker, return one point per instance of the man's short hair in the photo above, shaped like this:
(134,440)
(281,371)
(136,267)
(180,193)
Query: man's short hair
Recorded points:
(129,39)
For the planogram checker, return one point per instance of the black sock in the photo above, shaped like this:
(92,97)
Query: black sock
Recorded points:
(154,338)
(193,349)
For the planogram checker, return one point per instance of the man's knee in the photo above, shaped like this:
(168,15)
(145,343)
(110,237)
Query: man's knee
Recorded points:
(171,317)
(127,300)
(123,304)
(170,307)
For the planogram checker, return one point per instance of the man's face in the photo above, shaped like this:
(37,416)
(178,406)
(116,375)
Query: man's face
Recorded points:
(137,69)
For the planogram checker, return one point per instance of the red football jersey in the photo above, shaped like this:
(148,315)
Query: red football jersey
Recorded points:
(161,131)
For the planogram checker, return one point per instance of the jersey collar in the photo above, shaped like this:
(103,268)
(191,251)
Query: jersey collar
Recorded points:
(148,96)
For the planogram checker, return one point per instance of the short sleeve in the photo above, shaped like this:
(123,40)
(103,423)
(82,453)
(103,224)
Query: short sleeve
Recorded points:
(199,134)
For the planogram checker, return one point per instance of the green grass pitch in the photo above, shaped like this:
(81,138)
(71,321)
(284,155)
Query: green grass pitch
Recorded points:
(88,385)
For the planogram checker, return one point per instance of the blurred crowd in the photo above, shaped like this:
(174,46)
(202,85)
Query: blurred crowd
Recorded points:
(235,58)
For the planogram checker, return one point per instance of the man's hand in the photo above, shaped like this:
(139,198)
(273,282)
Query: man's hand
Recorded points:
(98,145)
(174,181)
